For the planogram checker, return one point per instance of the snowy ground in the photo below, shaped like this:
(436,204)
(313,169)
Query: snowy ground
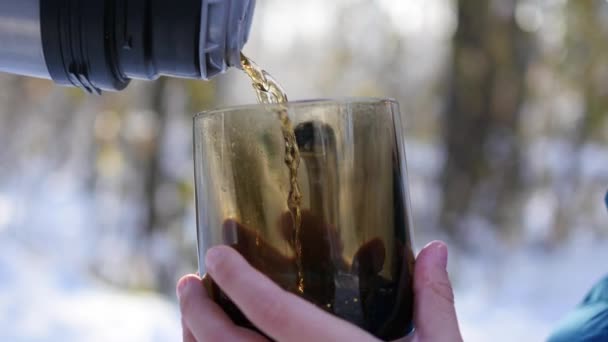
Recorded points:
(523,296)
(42,301)
(46,292)
(522,300)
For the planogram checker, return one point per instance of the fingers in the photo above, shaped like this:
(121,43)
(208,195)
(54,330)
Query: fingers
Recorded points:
(434,312)
(186,333)
(203,320)
(281,315)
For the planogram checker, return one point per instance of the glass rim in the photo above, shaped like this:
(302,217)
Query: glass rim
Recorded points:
(298,103)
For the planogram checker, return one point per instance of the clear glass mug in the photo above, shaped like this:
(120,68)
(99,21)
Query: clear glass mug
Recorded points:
(352,254)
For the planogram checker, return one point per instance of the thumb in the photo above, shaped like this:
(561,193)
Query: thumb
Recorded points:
(434,313)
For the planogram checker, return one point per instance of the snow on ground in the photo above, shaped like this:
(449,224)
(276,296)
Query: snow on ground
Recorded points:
(47,242)
(522,295)
(43,301)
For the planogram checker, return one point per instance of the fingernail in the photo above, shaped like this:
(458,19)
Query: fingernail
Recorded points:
(213,258)
(439,251)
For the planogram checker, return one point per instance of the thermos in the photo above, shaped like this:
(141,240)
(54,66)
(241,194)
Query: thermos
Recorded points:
(103,44)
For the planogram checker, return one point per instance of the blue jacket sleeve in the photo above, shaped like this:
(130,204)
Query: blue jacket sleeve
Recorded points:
(589,321)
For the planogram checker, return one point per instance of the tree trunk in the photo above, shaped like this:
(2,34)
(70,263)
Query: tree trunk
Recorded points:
(490,56)
(584,66)
(153,169)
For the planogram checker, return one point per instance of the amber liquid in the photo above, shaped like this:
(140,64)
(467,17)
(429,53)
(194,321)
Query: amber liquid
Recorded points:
(371,289)
(269,91)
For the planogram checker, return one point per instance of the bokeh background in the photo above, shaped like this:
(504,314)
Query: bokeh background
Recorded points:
(506,105)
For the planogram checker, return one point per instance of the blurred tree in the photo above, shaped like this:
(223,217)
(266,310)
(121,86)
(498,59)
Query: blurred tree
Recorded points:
(143,137)
(585,63)
(489,61)
(166,194)
(584,68)
(152,165)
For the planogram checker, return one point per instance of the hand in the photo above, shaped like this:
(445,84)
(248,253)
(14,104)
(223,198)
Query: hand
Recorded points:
(286,317)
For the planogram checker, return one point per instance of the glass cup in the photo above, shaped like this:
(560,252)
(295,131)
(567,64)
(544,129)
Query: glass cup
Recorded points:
(352,253)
